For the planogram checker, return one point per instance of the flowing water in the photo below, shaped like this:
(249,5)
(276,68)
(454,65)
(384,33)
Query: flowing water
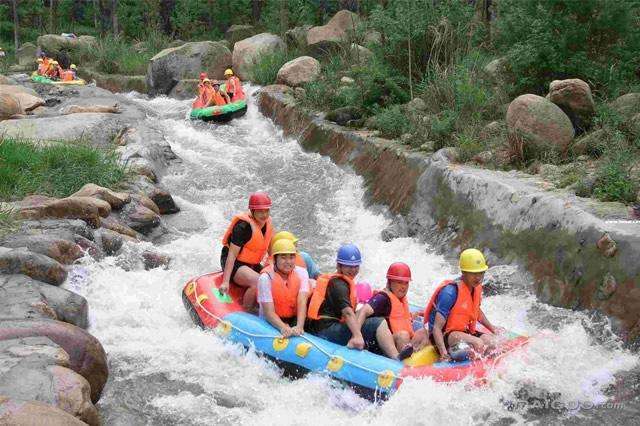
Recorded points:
(164,370)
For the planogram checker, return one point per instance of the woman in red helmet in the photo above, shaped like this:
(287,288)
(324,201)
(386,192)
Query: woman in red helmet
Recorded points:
(391,303)
(245,246)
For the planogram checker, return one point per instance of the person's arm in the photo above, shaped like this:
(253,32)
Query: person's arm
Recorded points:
(492,328)
(356,341)
(270,315)
(228,267)
(438,336)
(312,267)
(363,313)
(302,313)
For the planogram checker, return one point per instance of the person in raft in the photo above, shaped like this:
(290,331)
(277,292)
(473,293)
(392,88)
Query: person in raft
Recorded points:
(233,86)
(454,309)
(204,92)
(220,96)
(244,247)
(283,289)
(303,259)
(331,313)
(391,304)
(53,71)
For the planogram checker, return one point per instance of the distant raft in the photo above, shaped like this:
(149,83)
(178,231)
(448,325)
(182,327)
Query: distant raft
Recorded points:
(373,376)
(36,78)
(222,113)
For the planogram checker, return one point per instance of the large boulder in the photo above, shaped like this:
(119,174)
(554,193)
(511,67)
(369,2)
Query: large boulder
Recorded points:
(86,208)
(9,106)
(185,89)
(235,33)
(26,55)
(249,51)
(336,31)
(541,124)
(22,300)
(73,48)
(627,105)
(34,265)
(115,199)
(139,217)
(27,99)
(574,97)
(68,306)
(299,71)
(497,71)
(113,223)
(86,355)
(31,413)
(62,250)
(171,65)
(297,37)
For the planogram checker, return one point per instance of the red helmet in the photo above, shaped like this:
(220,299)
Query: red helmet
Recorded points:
(203,75)
(399,271)
(259,201)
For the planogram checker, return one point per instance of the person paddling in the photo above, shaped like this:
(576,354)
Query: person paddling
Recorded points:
(245,246)
(454,309)
(233,86)
(283,289)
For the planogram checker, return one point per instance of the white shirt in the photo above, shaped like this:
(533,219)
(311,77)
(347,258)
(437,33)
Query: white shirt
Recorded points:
(264,286)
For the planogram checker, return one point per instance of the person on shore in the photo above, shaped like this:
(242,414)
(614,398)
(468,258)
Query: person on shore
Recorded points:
(245,245)
(283,290)
(392,305)
(332,316)
(233,86)
(454,309)
(303,259)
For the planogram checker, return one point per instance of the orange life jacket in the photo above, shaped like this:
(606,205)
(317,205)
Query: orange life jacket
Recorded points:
(234,86)
(201,100)
(254,251)
(320,293)
(66,75)
(284,292)
(42,68)
(45,62)
(465,312)
(400,316)
(218,99)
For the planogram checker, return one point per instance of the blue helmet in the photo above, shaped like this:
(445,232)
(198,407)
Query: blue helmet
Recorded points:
(349,255)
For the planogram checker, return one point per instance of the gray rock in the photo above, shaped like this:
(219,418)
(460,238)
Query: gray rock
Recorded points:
(21,299)
(416,104)
(185,89)
(64,251)
(297,37)
(171,65)
(36,266)
(236,33)
(62,228)
(347,80)
(26,55)
(299,71)
(86,354)
(338,30)
(627,105)
(16,412)
(360,53)
(110,241)
(249,51)
(343,115)
(54,45)
(139,218)
(68,306)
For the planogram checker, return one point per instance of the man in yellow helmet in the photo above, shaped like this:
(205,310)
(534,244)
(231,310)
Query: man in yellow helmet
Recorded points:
(303,259)
(454,309)
(233,86)
(283,290)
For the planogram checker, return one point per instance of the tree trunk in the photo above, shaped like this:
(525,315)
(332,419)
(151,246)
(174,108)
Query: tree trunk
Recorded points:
(95,14)
(77,11)
(166,9)
(114,17)
(284,17)
(16,40)
(256,10)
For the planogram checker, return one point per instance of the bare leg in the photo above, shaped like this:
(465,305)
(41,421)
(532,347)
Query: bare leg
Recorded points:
(476,343)
(247,277)
(401,339)
(385,340)
(420,339)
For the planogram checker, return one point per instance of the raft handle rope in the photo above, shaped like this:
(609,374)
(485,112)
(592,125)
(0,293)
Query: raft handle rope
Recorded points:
(269,336)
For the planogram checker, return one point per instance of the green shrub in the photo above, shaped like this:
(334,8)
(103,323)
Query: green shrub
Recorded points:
(595,40)
(114,55)
(392,122)
(265,70)
(58,170)
(613,182)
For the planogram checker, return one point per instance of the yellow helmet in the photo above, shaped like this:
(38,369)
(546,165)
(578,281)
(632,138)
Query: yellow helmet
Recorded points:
(283,246)
(73,66)
(228,71)
(54,62)
(472,260)
(39,60)
(286,235)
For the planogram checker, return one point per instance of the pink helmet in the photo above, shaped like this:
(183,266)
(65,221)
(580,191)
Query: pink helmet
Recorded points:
(259,201)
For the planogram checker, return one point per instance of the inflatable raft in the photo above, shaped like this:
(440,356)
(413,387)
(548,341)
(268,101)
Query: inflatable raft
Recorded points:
(222,113)
(371,375)
(46,80)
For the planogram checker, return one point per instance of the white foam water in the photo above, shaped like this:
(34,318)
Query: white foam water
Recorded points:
(164,370)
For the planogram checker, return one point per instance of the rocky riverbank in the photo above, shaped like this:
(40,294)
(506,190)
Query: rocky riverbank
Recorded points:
(51,368)
(582,254)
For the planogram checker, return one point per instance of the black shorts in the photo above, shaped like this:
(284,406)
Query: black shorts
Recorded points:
(237,264)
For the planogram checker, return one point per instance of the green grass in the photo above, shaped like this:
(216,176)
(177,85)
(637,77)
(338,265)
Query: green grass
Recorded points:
(265,70)
(114,55)
(56,170)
